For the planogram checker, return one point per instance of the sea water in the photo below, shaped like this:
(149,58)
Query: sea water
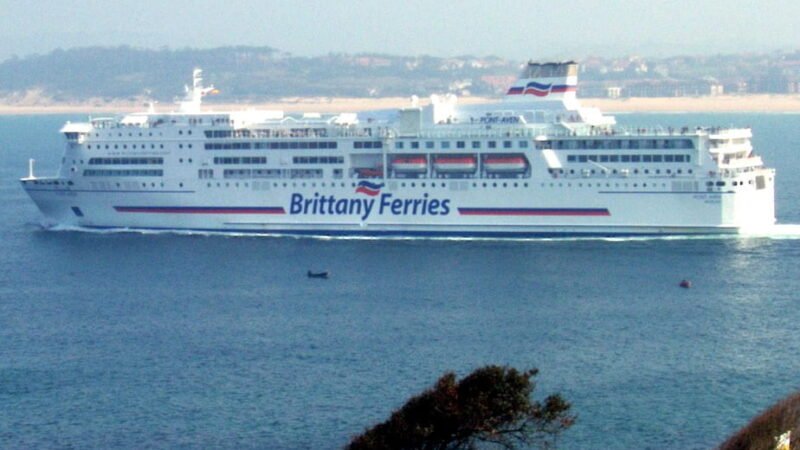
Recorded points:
(163,340)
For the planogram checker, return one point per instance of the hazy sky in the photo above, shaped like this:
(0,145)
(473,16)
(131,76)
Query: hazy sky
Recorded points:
(515,29)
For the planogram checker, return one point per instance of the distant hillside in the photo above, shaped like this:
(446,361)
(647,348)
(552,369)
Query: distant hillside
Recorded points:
(258,74)
(244,73)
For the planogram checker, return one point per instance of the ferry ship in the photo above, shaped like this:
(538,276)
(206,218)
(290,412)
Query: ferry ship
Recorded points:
(534,163)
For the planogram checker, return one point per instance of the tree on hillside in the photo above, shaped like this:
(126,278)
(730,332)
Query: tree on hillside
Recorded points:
(491,405)
(764,432)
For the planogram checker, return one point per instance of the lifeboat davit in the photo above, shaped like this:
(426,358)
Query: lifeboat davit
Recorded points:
(411,164)
(452,164)
(505,164)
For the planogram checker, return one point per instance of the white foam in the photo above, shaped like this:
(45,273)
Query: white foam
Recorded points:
(777,231)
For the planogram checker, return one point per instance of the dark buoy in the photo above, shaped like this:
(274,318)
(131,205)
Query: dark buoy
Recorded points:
(323,275)
(686,284)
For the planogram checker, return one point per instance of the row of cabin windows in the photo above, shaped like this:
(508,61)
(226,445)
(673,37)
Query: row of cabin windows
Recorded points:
(367,144)
(267,173)
(140,134)
(592,144)
(318,160)
(279,133)
(133,146)
(271,173)
(122,173)
(630,158)
(241,160)
(271,145)
(125,161)
(445,145)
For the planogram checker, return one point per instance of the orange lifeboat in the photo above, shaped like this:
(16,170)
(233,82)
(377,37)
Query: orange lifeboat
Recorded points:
(506,164)
(410,164)
(453,164)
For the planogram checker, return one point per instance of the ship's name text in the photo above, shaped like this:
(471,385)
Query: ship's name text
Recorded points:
(385,204)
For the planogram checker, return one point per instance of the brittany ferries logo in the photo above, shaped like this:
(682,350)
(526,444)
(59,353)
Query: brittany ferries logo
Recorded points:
(540,89)
(372,202)
(371,189)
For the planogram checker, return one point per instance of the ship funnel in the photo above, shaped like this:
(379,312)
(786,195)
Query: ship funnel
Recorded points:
(547,81)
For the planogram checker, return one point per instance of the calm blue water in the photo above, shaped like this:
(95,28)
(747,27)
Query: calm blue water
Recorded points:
(190,341)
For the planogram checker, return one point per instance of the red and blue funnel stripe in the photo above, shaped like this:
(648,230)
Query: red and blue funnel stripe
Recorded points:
(540,89)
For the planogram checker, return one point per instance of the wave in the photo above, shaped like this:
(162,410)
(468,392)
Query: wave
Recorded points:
(773,232)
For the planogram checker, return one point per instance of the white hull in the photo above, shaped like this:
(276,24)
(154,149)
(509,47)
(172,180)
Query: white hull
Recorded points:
(471,212)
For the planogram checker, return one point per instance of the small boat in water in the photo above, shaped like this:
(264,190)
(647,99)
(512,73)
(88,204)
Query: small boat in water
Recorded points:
(324,274)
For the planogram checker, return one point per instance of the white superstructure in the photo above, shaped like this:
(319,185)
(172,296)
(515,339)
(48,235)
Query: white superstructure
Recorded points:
(535,163)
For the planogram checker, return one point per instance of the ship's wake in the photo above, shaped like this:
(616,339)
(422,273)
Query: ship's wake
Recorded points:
(773,232)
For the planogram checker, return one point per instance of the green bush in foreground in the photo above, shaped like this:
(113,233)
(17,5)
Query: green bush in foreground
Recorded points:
(491,405)
(761,433)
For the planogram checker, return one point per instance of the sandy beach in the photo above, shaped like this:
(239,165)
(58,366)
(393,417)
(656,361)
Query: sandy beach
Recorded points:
(725,103)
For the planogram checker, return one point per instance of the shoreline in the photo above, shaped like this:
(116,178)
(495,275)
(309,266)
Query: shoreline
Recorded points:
(760,103)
